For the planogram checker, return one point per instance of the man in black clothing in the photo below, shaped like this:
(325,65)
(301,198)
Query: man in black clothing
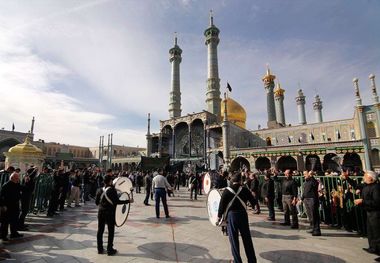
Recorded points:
(10,198)
(107,199)
(371,203)
(4,174)
(254,187)
(193,186)
(53,202)
(267,193)
(27,188)
(148,187)
(311,201)
(289,200)
(233,205)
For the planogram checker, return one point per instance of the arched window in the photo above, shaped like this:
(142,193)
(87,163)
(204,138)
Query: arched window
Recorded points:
(371,128)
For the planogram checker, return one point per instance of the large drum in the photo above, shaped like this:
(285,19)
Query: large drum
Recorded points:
(213,200)
(123,184)
(122,210)
(124,188)
(207,183)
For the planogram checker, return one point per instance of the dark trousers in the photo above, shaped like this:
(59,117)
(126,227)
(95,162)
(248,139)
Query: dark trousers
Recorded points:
(147,194)
(158,195)
(238,222)
(62,199)
(289,208)
(10,218)
(53,203)
(195,191)
(312,211)
(373,230)
(25,204)
(270,205)
(105,217)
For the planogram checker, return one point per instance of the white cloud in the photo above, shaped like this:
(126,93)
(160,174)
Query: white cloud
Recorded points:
(116,54)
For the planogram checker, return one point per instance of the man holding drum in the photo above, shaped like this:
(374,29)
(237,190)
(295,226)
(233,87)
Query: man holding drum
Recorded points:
(233,206)
(107,199)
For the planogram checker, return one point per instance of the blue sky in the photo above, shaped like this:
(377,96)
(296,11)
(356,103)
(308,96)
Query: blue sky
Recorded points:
(89,68)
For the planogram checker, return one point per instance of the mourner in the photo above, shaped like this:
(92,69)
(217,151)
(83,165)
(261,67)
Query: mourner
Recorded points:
(311,201)
(148,186)
(159,185)
(107,199)
(233,205)
(27,188)
(193,186)
(371,203)
(10,203)
(289,200)
(267,193)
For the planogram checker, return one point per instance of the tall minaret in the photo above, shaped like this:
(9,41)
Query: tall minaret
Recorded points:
(375,99)
(362,125)
(268,80)
(175,94)
(148,139)
(225,137)
(279,101)
(300,99)
(213,82)
(32,127)
(317,106)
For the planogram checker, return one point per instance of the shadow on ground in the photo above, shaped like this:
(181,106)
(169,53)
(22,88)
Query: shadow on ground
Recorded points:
(176,252)
(257,234)
(297,256)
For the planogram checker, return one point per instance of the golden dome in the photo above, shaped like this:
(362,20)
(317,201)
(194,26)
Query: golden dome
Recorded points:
(235,112)
(25,148)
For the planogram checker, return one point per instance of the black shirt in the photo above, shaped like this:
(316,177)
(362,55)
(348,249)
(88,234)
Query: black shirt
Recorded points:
(227,196)
(289,187)
(371,197)
(267,189)
(104,204)
(310,188)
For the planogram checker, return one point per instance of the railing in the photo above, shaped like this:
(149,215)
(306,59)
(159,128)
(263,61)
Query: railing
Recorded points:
(336,201)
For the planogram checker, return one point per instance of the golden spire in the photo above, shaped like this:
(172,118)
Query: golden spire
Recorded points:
(279,91)
(268,76)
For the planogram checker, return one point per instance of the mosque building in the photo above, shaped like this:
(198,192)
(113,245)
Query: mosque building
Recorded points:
(218,136)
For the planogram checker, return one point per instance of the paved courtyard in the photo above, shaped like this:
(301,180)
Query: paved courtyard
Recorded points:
(186,237)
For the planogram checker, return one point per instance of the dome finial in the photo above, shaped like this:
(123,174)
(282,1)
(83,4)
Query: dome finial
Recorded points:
(211,18)
(175,38)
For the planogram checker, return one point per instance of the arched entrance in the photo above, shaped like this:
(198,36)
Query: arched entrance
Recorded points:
(352,161)
(313,163)
(197,138)
(286,162)
(239,163)
(269,141)
(166,141)
(262,163)
(182,144)
(5,145)
(375,157)
(329,163)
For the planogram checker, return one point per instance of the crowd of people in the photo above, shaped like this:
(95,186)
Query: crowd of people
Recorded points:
(338,201)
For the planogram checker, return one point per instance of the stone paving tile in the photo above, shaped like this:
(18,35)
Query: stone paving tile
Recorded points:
(186,237)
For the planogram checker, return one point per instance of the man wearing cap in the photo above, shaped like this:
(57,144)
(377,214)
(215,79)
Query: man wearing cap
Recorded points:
(370,201)
(233,206)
